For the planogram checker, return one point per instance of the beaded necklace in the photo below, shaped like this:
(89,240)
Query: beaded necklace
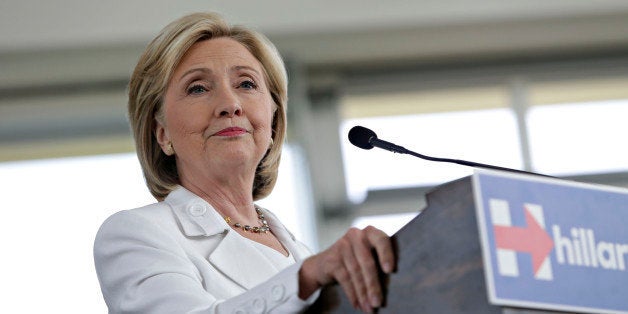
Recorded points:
(264,228)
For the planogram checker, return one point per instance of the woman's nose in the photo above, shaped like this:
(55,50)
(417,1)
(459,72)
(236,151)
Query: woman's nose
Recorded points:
(228,104)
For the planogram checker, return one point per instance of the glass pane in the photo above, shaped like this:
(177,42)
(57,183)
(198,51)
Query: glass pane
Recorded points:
(579,138)
(485,136)
(52,211)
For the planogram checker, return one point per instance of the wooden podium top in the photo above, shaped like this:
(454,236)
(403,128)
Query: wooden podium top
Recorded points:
(439,258)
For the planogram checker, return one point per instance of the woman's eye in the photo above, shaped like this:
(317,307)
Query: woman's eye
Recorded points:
(196,89)
(248,85)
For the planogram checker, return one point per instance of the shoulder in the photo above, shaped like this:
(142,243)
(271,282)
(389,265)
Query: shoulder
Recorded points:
(138,225)
(153,213)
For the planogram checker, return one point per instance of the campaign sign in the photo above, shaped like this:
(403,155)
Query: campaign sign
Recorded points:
(553,244)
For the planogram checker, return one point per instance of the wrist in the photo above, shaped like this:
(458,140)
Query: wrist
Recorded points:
(308,283)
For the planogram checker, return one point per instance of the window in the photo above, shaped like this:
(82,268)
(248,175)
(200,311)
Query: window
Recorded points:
(579,126)
(573,127)
(473,123)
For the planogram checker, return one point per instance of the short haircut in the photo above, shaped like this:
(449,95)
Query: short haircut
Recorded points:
(150,79)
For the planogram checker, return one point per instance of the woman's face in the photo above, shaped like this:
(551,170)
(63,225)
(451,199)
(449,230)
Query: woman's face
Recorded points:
(217,111)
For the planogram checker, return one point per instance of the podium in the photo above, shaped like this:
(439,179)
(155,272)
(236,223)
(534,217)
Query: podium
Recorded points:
(439,262)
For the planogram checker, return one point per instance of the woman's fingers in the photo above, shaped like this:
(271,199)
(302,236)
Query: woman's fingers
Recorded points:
(359,261)
(383,247)
(351,263)
(343,277)
(359,282)
(373,239)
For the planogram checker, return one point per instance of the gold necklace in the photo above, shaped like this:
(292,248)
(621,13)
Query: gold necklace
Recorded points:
(264,228)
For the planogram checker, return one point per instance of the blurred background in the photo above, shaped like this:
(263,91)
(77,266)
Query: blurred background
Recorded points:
(535,85)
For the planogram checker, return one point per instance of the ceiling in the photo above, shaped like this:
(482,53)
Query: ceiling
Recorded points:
(30,24)
(65,42)
(64,64)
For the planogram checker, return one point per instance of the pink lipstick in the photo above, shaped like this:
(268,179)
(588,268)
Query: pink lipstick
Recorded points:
(231,131)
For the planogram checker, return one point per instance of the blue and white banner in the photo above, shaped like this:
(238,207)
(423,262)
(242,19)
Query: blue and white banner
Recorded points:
(553,244)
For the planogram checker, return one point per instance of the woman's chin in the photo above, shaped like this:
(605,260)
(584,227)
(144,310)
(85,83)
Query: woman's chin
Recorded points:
(237,157)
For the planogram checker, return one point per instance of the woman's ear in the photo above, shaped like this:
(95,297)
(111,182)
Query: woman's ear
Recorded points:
(163,138)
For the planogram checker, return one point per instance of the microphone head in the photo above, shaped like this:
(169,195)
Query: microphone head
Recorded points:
(361,136)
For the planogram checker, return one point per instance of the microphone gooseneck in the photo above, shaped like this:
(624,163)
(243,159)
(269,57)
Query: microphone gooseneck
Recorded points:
(367,139)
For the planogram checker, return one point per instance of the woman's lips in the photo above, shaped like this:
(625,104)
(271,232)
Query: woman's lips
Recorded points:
(232,131)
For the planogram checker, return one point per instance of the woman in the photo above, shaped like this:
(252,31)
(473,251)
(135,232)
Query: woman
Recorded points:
(207,107)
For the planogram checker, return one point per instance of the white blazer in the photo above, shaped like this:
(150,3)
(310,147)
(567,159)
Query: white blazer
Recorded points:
(180,256)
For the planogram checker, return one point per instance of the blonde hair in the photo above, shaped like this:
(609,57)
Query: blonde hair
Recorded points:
(150,79)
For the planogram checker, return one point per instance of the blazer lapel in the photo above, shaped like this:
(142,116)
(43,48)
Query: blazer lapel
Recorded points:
(236,257)
(196,217)
(298,250)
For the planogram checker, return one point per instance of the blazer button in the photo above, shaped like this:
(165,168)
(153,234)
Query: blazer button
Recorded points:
(277,292)
(258,306)
(197,210)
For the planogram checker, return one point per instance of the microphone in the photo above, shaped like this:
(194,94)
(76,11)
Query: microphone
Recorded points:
(367,139)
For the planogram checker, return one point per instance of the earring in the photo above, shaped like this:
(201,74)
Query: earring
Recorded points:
(169,149)
(272,142)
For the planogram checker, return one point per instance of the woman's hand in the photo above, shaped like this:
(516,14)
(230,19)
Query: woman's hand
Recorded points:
(350,262)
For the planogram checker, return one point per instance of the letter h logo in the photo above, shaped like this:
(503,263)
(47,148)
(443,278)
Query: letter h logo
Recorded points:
(531,239)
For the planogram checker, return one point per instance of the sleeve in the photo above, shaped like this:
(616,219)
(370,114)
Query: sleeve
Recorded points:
(278,295)
(141,269)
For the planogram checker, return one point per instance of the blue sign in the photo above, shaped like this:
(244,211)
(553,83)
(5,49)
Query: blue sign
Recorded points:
(553,244)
